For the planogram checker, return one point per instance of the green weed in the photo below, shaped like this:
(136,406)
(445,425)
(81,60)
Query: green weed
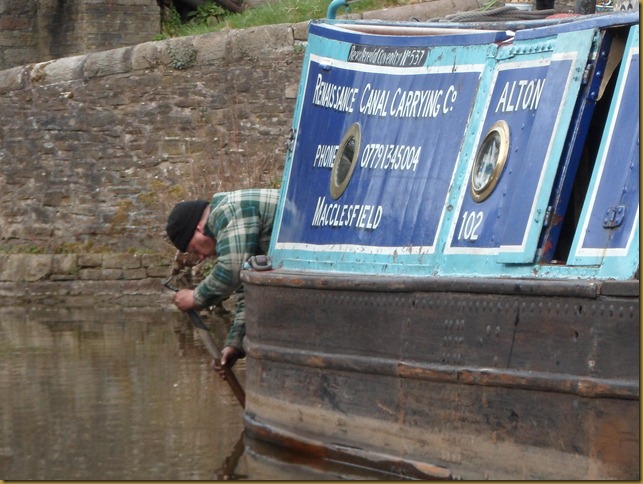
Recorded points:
(211,18)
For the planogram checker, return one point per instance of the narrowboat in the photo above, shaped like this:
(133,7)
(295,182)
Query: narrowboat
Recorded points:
(452,286)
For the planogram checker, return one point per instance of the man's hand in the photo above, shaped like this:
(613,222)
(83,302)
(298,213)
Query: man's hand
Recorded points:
(229,357)
(184,300)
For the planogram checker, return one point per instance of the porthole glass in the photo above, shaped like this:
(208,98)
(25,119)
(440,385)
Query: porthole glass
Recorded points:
(345,161)
(490,161)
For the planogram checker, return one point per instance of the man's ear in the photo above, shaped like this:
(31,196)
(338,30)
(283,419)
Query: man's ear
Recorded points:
(204,220)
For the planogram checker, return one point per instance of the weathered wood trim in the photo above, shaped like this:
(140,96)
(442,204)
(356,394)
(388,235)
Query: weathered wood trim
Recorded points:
(588,387)
(590,289)
(388,464)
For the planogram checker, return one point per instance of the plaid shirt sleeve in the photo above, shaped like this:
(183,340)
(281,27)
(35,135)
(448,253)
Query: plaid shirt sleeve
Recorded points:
(241,226)
(238,329)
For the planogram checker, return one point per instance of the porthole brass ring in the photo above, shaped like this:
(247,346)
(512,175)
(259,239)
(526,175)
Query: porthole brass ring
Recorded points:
(490,161)
(345,161)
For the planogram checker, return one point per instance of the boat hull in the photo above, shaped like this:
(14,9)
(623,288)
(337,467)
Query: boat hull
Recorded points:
(447,377)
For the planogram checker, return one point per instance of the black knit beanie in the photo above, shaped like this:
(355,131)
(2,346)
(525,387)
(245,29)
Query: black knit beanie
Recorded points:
(182,222)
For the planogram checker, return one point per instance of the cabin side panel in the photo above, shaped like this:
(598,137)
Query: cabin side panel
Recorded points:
(609,223)
(415,157)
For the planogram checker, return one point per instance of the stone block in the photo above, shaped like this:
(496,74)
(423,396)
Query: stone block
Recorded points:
(25,267)
(94,274)
(173,146)
(146,56)
(150,260)
(265,41)
(134,274)
(211,48)
(16,23)
(90,260)
(64,264)
(108,63)
(12,79)
(121,261)
(300,31)
(160,272)
(54,198)
(63,277)
(60,70)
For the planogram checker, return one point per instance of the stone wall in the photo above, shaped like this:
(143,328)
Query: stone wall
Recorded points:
(40,30)
(84,280)
(95,149)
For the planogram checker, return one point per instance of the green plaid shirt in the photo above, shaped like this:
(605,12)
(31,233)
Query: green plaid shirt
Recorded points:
(241,223)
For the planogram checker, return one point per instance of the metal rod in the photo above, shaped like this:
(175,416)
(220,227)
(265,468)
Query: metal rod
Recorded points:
(205,335)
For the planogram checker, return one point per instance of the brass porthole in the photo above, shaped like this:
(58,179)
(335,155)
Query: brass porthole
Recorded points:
(490,161)
(345,161)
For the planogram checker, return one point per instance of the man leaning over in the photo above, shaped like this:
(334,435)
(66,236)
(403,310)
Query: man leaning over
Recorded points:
(234,226)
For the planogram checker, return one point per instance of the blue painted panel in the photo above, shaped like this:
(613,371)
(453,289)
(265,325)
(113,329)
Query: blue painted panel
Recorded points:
(406,217)
(572,156)
(520,92)
(609,223)
(397,191)
(534,91)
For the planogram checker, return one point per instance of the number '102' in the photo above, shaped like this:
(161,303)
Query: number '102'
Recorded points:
(470,225)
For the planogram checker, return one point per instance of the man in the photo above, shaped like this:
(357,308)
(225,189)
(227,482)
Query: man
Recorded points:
(234,226)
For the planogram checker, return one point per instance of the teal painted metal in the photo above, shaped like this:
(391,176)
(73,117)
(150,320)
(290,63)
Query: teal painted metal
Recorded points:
(424,221)
(334,6)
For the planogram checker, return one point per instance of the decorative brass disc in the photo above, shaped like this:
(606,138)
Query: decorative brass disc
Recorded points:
(490,161)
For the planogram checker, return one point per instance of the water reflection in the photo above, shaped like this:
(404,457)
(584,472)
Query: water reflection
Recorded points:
(127,395)
(111,396)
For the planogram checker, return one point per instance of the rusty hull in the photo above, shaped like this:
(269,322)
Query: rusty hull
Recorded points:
(447,378)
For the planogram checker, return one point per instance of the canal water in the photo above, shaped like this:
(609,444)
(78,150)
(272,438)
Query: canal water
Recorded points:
(122,395)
